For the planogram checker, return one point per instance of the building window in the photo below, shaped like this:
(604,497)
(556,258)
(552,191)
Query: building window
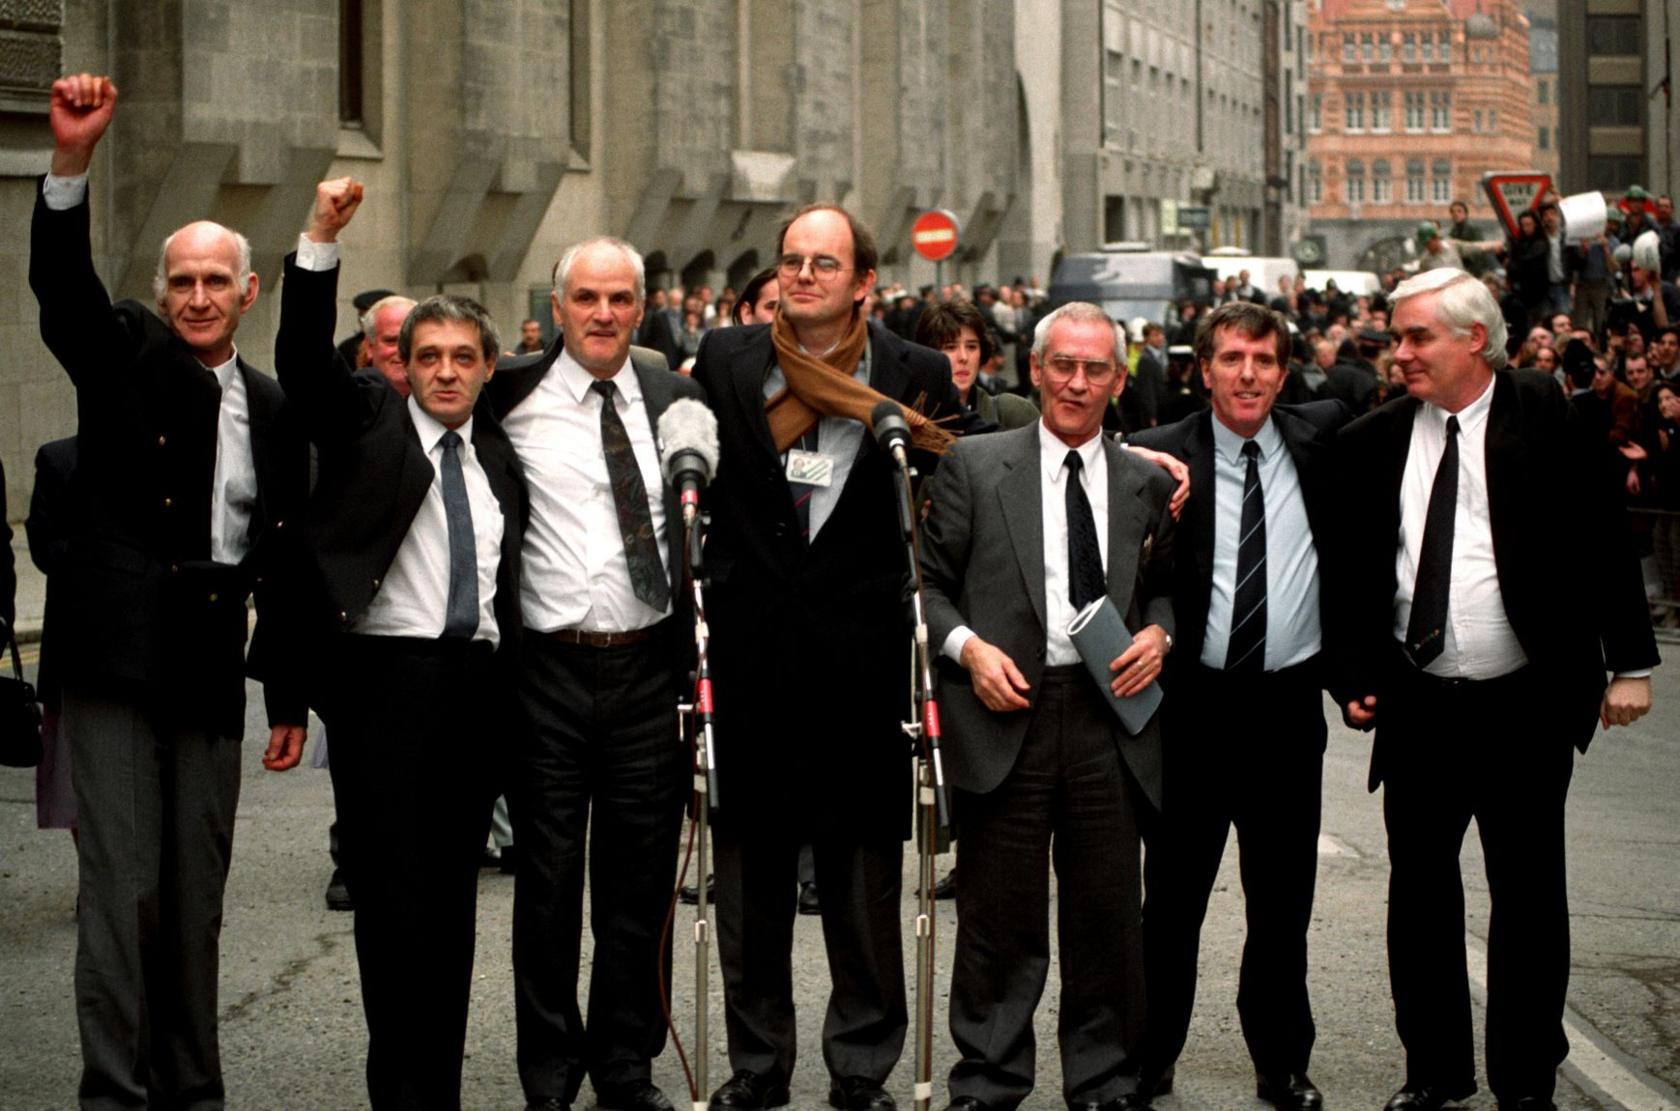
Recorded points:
(1353,113)
(1114,122)
(1612,173)
(1408,47)
(1288,101)
(1315,113)
(1440,112)
(1543,138)
(1414,181)
(1385,49)
(1428,46)
(1137,76)
(1441,185)
(1613,34)
(1365,51)
(1476,121)
(1541,91)
(1382,111)
(1414,111)
(351,112)
(1315,183)
(577,30)
(1446,46)
(1493,120)
(1382,187)
(1614,104)
(1350,49)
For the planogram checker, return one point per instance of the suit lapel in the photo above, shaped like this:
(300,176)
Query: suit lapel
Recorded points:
(1508,469)
(751,364)
(414,478)
(1125,528)
(1199,515)
(1021,501)
(658,391)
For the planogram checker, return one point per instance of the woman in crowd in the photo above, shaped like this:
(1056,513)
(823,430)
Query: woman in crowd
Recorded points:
(959,330)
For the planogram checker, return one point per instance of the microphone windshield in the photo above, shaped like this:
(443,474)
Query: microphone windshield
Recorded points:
(887,418)
(688,428)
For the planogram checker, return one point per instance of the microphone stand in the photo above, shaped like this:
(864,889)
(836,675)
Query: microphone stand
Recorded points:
(705,801)
(932,803)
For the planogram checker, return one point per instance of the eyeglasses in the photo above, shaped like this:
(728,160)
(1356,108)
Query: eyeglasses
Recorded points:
(1063,367)
(823,267)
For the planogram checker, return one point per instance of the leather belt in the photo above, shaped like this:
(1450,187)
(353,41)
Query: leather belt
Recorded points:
(591,639)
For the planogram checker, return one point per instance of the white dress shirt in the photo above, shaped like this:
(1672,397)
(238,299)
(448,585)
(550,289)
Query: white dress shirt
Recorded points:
(576,575)
(1293,635)
(233,483)
(840,438)
(413,599)
(1053,475)
(1479,642)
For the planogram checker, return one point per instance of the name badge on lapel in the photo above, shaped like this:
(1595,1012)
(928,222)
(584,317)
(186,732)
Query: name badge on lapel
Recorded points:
(812,468)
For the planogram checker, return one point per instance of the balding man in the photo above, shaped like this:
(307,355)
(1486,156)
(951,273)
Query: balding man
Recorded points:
(381,332)
(188,468)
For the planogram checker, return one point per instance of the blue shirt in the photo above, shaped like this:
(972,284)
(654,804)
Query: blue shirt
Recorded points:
(1292,628)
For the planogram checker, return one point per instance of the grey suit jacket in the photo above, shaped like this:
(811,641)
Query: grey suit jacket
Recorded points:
(983,566)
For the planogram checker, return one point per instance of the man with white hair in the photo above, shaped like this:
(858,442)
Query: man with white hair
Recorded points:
(1479,674)
(188,470)
(381,330)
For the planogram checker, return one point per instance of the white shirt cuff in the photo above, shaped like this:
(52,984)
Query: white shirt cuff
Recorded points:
(316,256)
(1642,673)
(61,193)
(954,641)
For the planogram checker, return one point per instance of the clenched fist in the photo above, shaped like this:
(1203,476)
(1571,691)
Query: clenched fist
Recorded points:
(335,203)
(80,111)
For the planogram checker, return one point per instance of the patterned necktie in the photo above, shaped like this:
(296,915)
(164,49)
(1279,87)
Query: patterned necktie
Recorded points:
(803,491)
(1426,629)
(1246,650)
(460,614)
(1085,566)
(635,520)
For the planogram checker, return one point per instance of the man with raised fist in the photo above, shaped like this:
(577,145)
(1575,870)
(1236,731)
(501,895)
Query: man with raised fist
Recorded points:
(189,468)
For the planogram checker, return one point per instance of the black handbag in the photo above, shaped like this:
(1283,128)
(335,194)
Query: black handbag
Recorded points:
(20,716)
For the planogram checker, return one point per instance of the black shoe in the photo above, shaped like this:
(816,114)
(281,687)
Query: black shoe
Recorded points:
(509,864)
(856,1093)
(690,893)
(1291,1091)
(489,857)
(638,1095)
(946,888)
(338,895)
(751,1089)
(1131,1101)
(966,1103)
(548,1103)
(808,901)
(1426,1097)
(1528,1103)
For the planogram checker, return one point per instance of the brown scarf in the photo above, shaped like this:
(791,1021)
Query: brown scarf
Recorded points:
(824,387)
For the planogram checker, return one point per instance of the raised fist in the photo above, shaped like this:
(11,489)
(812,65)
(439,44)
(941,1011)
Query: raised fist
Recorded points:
(80,111)
(335,203)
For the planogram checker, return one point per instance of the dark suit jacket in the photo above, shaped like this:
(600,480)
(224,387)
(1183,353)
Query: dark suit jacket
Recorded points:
(1308,432)
(372,474)
(516,376)
(810,642)
(983,566)
(1548,517)
(49,543)
(144,606)
(656,332)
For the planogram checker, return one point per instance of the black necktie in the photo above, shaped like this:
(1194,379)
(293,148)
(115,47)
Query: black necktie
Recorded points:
(1246,650)
(635,521)
(1426,630)
(1085,566)
(460,613)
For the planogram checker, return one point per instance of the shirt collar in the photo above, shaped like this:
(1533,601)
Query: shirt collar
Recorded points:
(225,372)
(1230,445)
(431,430)
(579,382)
(1470,418)
(1052,452)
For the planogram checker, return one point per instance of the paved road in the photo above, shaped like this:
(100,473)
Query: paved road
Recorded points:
(291,1017)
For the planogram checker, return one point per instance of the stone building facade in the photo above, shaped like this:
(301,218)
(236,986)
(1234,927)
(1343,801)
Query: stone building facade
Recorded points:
(1411,101)
(1543,67)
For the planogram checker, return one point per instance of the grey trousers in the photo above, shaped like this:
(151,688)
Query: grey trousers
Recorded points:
(156,800)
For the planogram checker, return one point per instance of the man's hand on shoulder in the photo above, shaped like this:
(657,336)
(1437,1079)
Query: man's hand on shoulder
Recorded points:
(1625,701)
(1173,466)
(336,202)
(997,682)
(79,111)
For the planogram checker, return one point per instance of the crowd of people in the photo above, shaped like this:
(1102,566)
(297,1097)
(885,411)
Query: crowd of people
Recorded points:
(467,562)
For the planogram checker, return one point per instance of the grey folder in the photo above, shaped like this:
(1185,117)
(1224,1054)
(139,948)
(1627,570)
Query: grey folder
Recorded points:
(1099,635)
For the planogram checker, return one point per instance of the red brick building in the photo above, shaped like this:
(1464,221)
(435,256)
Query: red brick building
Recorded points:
(1409,103)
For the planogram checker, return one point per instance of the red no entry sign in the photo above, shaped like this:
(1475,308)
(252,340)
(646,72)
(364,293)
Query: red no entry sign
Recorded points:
(934,234)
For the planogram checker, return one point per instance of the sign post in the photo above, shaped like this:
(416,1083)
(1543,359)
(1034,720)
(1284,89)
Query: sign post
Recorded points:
(934,235)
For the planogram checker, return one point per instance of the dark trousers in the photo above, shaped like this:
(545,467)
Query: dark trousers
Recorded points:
(1068,800)
(757,896)
(603,762)
(1495,751)
(1248,752)
(156,799)
(414,756)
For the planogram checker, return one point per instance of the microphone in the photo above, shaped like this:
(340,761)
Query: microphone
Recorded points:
(892,432)
(688,440)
